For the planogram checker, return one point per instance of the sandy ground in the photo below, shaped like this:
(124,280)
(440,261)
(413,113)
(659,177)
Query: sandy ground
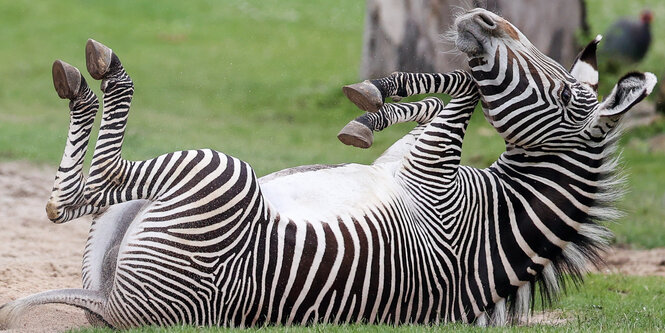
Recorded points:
(37,255)
(635,262)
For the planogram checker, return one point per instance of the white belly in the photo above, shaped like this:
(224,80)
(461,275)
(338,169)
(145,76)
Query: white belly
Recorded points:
(324,194)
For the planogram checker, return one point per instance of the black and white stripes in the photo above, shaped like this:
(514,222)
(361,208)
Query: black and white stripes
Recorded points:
(193,237)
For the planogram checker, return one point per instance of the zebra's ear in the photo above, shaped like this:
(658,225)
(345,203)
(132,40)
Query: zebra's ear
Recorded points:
(630,90)
(585,67)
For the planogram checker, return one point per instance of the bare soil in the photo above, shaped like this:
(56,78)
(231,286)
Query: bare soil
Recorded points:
(625,261)
(37,255)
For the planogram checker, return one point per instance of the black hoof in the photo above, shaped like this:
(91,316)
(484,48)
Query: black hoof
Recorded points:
(364,95)
(97,59)
(67,79)
(357,135)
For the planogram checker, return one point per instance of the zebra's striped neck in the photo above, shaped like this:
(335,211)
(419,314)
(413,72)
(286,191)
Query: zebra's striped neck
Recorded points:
(557,198)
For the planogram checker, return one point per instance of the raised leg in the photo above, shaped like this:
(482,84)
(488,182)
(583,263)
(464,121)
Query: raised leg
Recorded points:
(107,167)
(370,94)
(359,132)
(73,195)
(431,153)
(67,201)
(168,178)
(112,179)
(435,156)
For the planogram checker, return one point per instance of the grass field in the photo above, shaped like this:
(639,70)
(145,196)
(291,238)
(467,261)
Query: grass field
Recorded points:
(605,303)
(257,80)
(260,80)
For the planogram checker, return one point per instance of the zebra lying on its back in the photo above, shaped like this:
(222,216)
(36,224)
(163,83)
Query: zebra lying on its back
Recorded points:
(193,237)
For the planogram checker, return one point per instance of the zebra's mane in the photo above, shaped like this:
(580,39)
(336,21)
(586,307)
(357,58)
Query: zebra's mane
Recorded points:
(573,262)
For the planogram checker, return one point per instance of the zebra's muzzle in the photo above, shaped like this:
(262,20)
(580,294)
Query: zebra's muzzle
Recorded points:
(469,39)
(473,31)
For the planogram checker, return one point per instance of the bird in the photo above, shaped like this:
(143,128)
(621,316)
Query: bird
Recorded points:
(627,41)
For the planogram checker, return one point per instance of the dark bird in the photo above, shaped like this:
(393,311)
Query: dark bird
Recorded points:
(627,40)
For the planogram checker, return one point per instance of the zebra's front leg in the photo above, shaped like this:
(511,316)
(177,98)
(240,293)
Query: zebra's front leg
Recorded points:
(67,201)
(359,132)
(369,95)
(435,156)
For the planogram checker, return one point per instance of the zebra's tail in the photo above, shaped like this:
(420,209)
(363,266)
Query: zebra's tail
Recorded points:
(90,300)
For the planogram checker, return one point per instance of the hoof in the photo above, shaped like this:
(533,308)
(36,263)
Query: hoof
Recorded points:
(364,95)
(97,59)
(357,135)
(66,79)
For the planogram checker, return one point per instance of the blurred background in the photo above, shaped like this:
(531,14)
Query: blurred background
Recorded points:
(260,80)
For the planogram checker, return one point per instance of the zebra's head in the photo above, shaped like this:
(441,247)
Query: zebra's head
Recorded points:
(532,100)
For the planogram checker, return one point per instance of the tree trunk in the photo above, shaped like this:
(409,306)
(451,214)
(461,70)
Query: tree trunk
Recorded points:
(407,35)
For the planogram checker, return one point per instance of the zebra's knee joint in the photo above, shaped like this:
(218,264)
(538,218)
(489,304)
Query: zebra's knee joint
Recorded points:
(52,210)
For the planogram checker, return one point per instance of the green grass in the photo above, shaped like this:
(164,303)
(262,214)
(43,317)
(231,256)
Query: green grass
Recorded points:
(257,80)
(644,223)
(260,80)
(603,13)
(644,204)
(604,303)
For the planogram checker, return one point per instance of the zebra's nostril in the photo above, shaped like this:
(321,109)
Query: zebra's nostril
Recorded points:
(485,21)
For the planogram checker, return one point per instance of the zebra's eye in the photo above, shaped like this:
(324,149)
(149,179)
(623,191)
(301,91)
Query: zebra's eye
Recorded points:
(566,94)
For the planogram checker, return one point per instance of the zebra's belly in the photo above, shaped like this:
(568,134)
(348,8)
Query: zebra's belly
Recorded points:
(289,272)
(327,193)
(345,248)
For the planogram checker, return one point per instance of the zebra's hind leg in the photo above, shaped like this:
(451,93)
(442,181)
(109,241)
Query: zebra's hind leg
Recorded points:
(66,201)
(112,179)
(73,196)
(98,59)
(107,166)
(359,132)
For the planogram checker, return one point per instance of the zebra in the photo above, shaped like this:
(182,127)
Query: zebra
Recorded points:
(194,237)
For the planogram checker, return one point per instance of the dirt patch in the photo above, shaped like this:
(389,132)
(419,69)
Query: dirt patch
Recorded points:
(635,262)
(551,317)
(37,255)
